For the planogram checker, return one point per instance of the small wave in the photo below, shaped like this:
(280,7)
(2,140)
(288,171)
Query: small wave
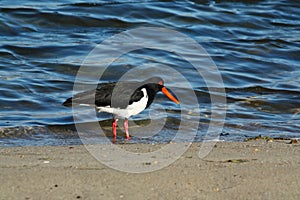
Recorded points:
(21,131)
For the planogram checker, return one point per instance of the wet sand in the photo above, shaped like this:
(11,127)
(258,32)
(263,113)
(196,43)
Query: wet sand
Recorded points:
(233,170)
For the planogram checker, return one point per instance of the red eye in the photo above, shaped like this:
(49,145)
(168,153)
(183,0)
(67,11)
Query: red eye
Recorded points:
(161,83)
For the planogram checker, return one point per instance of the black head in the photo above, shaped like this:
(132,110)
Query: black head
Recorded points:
(156,84)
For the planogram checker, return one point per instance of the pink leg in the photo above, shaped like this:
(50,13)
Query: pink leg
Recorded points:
(126,129)
(114,127)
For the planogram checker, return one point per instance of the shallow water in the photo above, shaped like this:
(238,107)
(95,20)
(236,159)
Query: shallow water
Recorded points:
(254,44)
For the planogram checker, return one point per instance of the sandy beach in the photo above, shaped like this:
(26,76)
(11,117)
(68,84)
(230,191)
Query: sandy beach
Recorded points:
(256,169)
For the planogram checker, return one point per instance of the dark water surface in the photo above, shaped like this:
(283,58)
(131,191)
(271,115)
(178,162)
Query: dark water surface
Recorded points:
(255,45)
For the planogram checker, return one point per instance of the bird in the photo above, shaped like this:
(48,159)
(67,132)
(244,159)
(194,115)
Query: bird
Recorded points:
(122,99)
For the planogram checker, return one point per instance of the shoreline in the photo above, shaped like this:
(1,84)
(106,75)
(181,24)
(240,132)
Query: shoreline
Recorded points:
(257,169)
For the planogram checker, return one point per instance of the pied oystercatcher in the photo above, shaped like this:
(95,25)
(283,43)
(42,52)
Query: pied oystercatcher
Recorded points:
(122,99)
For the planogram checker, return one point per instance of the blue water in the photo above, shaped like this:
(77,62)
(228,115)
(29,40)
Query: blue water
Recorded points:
(254,44)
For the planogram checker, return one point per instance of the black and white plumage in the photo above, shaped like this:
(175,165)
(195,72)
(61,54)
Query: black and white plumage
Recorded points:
(122,99)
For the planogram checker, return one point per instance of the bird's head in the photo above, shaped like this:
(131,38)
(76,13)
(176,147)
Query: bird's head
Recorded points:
(158,85)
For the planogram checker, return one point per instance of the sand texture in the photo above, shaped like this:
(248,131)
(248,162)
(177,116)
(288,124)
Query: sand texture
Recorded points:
(233,170)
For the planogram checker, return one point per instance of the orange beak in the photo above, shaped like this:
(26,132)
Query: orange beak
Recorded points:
(169,95)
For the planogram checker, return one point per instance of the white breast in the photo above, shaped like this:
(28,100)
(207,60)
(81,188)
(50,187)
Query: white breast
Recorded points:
(133,109)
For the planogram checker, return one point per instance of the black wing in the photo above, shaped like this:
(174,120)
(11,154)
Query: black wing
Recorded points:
(125,93)
(122,93)
(100,96)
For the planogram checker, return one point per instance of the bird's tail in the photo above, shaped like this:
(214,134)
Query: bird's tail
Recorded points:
(68,102)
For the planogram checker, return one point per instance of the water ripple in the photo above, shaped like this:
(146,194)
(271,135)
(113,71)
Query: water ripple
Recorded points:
(255,45)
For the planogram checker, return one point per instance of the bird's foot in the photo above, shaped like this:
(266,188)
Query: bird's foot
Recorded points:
(128,137)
